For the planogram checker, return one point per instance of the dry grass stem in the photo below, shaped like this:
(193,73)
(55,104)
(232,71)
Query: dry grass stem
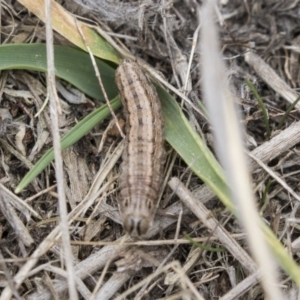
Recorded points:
(242,287)
(237,236)
(15,222)
(55,110)
(212,224)
(275,176)
(18,203)
(98,75)
(113,285)
(97,260)
(229,146)
(266,73)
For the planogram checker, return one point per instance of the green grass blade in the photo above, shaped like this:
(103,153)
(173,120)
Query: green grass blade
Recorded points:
(188,144)
(71,64)
(75,134)
(262,107)
(203,247)
(284,117)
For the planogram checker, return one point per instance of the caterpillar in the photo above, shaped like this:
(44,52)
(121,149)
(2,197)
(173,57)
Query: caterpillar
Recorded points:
(144,154)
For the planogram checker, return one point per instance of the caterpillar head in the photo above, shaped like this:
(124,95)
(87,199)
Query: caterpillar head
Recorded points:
(137,218)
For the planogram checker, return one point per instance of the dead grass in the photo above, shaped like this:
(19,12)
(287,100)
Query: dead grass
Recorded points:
(167,266)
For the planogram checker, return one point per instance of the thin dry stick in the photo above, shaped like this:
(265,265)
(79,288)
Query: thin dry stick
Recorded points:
(173,265)
(119,278)
(224,118)
(170,164)
(20,156)
(105,134)
(114,283)
(99,79)
(100,281)
(276,177)
(13,24)
(191,260)
(185,279)
(15,222)
(43,106)
(97,260)
(146,292)
(212,224)
(170,87)
(141,292)
(17,202)
(166,35)
(175,296)
(49,284)
(269,150)
(238,236)
(54,111)
(93,193)
(271,78)
(148,68)
(40,193)
(280,143)
(84,291)
(242,287)
(8,276)
(195,42)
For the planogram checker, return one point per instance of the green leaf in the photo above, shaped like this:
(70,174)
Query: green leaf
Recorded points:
(71,64)
(76,32)
(203,247)
(75,134)
(188,144)
(262,107)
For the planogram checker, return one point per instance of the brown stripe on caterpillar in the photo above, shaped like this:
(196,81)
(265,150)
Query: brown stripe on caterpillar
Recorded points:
(143,157)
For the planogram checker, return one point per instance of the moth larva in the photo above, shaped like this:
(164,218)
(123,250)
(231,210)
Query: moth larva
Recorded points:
(143,156)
